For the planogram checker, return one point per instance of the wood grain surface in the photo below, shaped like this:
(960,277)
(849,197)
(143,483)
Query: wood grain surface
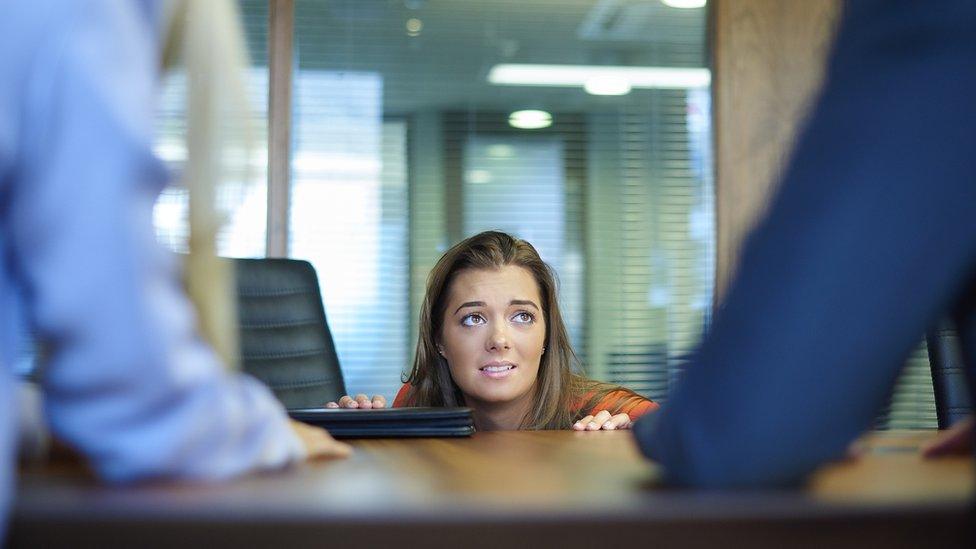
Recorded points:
(768,57)
(555,488)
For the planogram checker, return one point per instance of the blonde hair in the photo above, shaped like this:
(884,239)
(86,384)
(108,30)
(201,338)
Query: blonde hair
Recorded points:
(206,36)
(559,393)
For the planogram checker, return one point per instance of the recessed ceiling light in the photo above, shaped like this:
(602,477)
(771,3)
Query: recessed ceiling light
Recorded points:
(607,86)
(685,4)
(521,74)
(530,119)
(414,26)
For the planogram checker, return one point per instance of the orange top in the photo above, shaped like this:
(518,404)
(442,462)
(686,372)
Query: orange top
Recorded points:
(615,402)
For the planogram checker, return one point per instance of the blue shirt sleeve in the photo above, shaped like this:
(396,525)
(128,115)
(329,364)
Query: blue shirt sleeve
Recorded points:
(870,239)
(127,381)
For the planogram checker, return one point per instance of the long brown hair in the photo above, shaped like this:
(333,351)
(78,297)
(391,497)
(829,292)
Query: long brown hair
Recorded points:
(559,392)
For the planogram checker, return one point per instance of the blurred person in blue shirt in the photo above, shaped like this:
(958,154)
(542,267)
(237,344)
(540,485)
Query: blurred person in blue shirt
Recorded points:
(127,380)
(870,240)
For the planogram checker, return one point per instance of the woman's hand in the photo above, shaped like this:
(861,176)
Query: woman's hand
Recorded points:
(956,440)
(603,421)
(319,444)
(361,401)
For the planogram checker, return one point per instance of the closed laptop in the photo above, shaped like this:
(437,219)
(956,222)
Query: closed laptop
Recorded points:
(389,422)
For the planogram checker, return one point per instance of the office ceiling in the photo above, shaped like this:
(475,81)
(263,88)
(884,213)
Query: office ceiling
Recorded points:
(444,66)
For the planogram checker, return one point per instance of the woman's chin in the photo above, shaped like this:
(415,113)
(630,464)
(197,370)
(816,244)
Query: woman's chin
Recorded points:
(495,395)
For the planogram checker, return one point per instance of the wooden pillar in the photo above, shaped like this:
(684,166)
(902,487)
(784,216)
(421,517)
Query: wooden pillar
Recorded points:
(281,25)
(768,65)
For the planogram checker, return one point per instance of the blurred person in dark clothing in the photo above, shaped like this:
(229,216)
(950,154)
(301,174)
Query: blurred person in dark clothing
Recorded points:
(869,241)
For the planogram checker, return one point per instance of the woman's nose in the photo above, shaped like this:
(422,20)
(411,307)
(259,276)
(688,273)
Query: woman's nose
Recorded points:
(498,339)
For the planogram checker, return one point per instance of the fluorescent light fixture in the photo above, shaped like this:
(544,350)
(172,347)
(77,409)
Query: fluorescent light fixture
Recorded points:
(684,4)
(530,119)
(607,86)
(501,150)
(513,74)
(478,177)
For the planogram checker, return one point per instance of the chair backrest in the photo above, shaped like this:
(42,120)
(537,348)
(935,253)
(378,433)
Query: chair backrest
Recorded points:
(952,401)
(285,339)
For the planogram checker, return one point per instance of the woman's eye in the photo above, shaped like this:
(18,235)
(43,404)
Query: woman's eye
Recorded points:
(523,317)
(473,320)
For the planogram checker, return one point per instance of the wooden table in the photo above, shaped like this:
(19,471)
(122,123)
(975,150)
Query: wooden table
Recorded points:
(522,489)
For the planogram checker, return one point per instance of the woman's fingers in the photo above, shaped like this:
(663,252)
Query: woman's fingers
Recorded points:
(619,421)
(603,420)
(598,420)
(360,401)
(582,423)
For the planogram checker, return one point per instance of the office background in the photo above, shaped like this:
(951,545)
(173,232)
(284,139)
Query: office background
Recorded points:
(401,146)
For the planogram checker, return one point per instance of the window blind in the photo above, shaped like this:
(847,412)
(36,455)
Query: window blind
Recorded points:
(349,208)
(243,200)
(650,238)
(912,401)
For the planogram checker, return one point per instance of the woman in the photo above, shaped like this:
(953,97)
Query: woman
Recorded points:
(492,339)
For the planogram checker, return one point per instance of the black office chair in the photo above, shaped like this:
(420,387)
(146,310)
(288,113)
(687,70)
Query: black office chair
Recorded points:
(952,400)
(285,339)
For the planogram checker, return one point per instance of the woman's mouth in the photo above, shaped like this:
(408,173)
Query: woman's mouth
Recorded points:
(499,370)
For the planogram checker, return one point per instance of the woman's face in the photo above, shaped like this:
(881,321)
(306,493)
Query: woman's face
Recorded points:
(493,334)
